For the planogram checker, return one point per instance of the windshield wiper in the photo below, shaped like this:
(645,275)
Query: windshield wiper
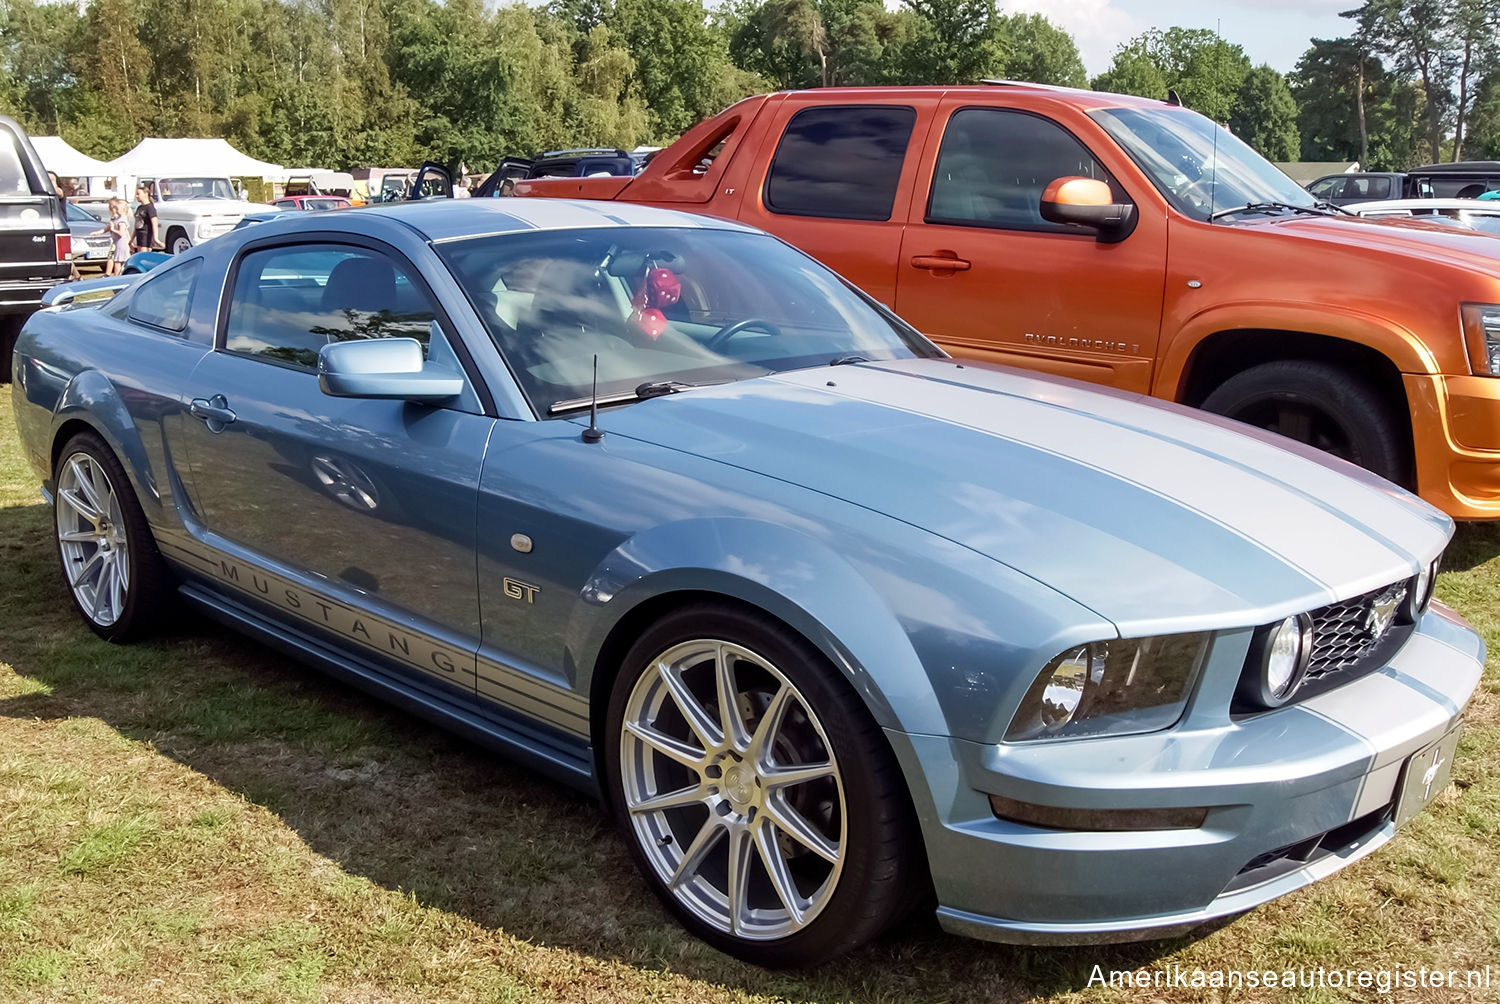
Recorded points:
(650,389)
(847,360)
(1268,207)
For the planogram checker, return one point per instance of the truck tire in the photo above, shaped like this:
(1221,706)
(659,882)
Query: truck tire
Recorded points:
(10,329)
(1320,404)
(178,240)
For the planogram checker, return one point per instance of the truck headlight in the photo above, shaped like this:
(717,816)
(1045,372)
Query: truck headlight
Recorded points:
(1482,336)
(1111,688)
(205,230)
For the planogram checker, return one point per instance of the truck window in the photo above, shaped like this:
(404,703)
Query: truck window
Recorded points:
(841,162)
(12,174)
(994,164)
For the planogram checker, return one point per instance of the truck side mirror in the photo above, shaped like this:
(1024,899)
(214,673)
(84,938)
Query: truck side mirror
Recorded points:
(1088,202)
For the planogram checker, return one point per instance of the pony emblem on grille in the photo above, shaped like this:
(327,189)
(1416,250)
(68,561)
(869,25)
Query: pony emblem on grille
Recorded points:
(1383,611)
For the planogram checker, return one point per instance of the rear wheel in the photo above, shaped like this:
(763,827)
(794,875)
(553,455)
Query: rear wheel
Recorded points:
(759,797)
(117,579)
(1319,404)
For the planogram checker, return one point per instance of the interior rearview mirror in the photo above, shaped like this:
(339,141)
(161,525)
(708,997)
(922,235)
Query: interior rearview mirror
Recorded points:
(1088,202)
(385,368)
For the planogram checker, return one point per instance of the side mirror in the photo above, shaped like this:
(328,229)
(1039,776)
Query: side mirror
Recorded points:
(1088,202)
(385,368)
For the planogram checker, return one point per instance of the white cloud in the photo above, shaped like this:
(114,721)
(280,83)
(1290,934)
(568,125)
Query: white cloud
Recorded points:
(1095,25)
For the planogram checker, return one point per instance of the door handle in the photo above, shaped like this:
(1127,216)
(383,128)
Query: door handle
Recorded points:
(941,262)
(214,412)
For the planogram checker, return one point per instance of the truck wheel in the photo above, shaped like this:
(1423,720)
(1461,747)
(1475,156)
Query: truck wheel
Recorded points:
(177,240)
(1319,404)
(10,329)
(758,796)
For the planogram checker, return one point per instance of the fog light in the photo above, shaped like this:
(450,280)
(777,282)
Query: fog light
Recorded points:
(1055,818)
(1279,655)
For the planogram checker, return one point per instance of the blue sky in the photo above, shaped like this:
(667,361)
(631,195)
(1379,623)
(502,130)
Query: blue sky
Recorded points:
(1270,31)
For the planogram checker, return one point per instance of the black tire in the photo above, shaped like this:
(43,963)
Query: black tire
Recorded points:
(175,237)
(882,874)
(1322,405)
(149,591)
(10,330)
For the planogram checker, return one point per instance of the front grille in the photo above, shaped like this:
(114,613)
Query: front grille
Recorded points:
(1342,631)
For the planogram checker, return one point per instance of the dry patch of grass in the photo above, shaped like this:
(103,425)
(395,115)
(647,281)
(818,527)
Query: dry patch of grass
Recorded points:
(196,818)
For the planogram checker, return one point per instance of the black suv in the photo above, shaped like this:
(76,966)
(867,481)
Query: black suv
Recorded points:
(34,238)
(1464,179)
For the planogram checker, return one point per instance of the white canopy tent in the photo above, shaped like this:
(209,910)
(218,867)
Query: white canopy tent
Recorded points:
(62,160)
(156,158)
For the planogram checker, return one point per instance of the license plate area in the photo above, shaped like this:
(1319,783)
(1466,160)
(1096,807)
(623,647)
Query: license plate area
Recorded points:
(1425,775)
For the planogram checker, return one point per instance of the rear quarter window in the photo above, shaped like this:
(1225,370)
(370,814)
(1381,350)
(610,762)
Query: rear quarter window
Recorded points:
(12,170)
(162,300)
(841,162)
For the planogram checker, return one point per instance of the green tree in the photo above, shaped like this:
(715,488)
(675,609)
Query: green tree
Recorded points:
(682,66)
(950,42)
(1349,107)
(1205,71)
(1266,115)
(1038,50)
(1133,72)
(1414,36)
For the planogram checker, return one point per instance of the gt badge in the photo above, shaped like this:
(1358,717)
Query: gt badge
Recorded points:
(518,590)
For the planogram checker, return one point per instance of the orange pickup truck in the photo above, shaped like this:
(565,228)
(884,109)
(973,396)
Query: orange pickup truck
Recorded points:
(1185,266)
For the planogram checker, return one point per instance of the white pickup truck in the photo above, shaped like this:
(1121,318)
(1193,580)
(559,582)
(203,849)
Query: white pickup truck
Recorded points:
(190,210)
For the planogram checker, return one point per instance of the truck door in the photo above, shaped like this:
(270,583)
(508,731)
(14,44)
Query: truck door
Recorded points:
(986,277)
(838,181)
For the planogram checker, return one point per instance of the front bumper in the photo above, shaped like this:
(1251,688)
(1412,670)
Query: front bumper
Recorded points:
(1456,438)
(1293,795)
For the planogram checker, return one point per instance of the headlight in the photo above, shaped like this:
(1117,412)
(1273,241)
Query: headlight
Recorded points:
(1278,661)
(205,230)
(1110,688)
(1419,594)
(1482,335)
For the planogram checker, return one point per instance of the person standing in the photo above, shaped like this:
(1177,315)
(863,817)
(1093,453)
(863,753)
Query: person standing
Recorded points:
(119,231)
(147,237)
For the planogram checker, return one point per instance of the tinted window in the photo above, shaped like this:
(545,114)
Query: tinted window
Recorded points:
(840,162)
(12,175)
(993,166)
(1323,189)
(289,302)
(1366,188)
(693,305)
(162,300)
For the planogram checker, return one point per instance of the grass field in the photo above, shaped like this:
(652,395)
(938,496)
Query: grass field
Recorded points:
(198,818)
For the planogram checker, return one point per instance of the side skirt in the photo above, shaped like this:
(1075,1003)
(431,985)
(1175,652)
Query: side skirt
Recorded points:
(553,755)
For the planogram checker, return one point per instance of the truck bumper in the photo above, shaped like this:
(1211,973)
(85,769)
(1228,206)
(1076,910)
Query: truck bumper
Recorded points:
(1456,436)
(1288,797)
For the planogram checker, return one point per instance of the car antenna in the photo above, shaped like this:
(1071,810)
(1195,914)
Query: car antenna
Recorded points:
(594,434)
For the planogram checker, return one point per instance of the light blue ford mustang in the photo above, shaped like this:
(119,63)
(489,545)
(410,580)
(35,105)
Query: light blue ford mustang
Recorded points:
(832,622)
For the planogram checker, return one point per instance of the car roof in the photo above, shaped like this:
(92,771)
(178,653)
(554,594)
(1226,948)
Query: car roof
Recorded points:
(455,219)
(1427,205)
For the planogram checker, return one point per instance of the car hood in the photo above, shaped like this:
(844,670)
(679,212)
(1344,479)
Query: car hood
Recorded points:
(207,207)
(1456,246)
(1153,516)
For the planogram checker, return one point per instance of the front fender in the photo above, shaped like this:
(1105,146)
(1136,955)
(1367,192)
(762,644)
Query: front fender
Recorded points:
(1403,347)
(786,573)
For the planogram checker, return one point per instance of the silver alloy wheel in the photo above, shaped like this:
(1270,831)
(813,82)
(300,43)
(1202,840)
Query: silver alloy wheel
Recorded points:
(732,790)
(91,536)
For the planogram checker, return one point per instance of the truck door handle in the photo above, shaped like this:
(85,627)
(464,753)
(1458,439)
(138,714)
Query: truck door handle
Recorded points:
(943,261)
(214,412)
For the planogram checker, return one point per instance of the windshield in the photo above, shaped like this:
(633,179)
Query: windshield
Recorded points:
(1200,167)
(173,189)
(663,305)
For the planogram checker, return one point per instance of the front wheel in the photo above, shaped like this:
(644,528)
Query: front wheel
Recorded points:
(1319,404)
(177,241)
(759,797)
(117,578)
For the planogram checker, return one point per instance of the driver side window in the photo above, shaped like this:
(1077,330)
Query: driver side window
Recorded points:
(994,165)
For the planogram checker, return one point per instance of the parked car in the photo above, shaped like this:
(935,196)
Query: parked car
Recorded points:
(1461,180)
(88,247)
(662,508)
(316,203)
(35,242)
(1469,214)
(1125,241)
(588,163)
(191,210)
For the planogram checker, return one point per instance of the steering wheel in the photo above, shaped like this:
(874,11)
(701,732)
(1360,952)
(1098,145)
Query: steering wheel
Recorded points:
(1197,192)
(724,334)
